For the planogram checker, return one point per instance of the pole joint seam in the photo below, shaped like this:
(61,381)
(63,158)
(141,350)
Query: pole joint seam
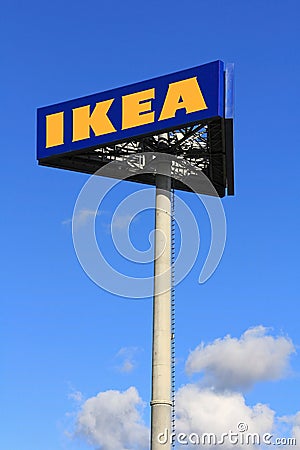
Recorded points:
(160,402)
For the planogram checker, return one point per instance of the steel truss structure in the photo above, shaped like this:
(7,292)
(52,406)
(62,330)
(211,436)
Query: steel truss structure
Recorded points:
(206,146)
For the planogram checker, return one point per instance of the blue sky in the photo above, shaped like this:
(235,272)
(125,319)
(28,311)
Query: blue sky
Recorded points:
(62,334)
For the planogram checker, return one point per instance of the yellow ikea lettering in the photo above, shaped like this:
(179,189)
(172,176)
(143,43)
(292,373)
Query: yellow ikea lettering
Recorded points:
(136,109)
(83,121)
(182,94)
(54,129)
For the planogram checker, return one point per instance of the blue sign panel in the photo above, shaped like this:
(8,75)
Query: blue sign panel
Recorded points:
(145,108)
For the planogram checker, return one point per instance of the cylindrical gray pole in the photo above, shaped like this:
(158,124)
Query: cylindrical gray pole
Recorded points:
(161,403)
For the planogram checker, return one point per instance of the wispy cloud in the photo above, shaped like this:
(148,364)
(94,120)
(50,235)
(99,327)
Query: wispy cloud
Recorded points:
(122,221)
(126,359)
(82,217)
(66,222)
(119,222)
(77,396)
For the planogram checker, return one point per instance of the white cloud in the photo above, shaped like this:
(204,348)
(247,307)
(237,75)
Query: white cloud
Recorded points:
(76,396)
(232,363)
(294,427)
(296,430)
(112,421)
(120,221)
(126,359)
(66,222)
(82,217)
(206,411)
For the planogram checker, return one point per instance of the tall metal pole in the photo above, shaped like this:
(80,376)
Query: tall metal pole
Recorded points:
(161,404)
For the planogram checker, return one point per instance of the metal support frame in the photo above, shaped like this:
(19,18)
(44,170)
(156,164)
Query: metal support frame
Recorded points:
(206,146)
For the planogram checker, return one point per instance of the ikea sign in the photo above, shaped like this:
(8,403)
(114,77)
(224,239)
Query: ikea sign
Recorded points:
(146,108)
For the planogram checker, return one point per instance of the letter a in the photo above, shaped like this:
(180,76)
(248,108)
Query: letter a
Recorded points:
(185,94)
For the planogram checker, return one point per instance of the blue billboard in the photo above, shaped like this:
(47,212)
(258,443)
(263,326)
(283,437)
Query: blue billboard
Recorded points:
(145,108)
